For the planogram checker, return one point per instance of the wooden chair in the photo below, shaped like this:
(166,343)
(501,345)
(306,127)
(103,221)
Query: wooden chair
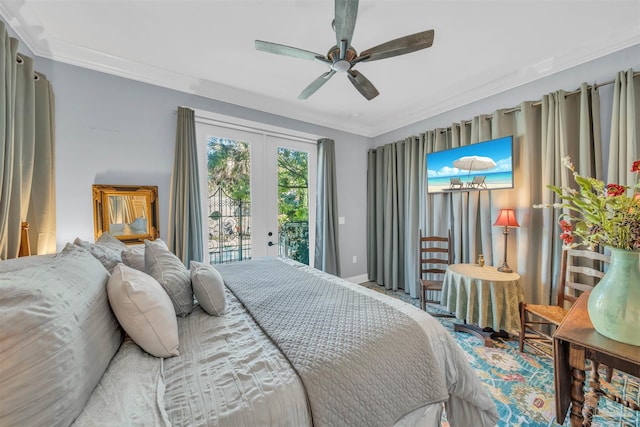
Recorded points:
(580,271)
(434,255)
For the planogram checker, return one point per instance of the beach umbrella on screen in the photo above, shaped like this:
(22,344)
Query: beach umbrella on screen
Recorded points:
(474,163)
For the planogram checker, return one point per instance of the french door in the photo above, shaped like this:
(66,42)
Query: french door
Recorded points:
(258,192)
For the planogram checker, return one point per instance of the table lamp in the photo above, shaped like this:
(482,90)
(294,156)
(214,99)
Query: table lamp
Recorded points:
(506,219)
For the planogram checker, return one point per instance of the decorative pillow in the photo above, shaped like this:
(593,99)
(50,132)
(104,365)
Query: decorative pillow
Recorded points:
(57,337)
(107,239)
(134,256)
(208,287)
(161,264)
(144,310)
(106,254)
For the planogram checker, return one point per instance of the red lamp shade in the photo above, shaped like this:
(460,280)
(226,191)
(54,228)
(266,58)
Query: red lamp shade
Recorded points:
(506,218)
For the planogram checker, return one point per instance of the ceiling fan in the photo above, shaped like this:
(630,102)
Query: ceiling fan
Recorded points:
(342,57)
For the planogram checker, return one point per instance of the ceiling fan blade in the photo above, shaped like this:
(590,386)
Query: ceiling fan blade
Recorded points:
(399,46)
(364,86)
(281,49)
(316,84)
(345,21)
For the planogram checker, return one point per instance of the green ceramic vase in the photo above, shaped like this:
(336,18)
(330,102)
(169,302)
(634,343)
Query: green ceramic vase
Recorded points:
(614,304)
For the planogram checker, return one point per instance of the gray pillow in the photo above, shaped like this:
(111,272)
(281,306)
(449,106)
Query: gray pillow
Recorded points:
(161,264)
(107,239)
(106,254)
(134,256)
(208,287)
(57,337)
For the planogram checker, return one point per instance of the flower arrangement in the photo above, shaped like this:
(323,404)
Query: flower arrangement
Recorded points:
(599,214)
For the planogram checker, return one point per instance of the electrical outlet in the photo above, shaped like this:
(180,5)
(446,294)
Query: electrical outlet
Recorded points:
(355,259)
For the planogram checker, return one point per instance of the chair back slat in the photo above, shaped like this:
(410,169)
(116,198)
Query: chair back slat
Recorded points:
(581,270)
(435,261)
(434,255)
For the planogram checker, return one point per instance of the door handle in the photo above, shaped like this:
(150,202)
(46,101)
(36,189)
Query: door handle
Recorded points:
(270,243)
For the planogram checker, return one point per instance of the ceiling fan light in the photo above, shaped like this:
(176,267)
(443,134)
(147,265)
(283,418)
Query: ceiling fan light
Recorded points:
(341,66)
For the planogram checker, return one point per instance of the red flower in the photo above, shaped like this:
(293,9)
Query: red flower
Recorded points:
(565,225)
(566,237)
(636,166)
(614,190)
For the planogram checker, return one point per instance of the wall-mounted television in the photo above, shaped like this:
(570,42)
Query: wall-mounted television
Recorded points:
(485,165)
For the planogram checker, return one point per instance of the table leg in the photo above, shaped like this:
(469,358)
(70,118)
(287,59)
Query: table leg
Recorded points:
(592,397)
(476,331)
(577,397)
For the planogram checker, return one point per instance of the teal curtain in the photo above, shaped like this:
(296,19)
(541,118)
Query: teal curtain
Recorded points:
(560,124)
(625,129)
(327,256)
(396,188)
(27,186)
(185,215)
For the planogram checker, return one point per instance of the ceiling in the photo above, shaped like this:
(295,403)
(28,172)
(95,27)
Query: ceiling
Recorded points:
(207,48)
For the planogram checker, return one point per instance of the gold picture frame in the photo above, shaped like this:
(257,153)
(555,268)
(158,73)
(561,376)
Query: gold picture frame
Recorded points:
(127,212)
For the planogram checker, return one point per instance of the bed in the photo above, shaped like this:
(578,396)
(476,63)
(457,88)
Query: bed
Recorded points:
(295,347)
(317,374)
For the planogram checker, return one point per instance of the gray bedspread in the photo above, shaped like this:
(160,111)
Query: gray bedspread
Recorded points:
(361,361)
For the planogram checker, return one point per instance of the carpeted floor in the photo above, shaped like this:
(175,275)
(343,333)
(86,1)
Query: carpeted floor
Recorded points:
(522,384)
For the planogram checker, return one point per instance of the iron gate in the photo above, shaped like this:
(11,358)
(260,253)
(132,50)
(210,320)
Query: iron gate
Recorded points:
(229,228)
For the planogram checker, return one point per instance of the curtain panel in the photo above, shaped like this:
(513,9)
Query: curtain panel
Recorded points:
(327,255)
(625,129)
(27,172)
(544,132)
(185,215)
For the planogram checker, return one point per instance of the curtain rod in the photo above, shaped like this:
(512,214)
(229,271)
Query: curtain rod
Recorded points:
(575,92)
(538,103)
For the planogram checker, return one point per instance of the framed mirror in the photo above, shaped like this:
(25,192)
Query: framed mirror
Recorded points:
(127,212)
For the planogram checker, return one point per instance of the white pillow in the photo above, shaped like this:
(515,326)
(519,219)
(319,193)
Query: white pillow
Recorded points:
(208,286)
(144,310)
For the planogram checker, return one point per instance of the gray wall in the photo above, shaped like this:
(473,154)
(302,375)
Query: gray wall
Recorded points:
(111,130)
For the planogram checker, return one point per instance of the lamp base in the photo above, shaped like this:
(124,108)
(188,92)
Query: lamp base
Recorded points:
(505,268)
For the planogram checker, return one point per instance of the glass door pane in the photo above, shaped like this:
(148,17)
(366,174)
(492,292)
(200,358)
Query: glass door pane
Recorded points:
(293,204)
(228,200)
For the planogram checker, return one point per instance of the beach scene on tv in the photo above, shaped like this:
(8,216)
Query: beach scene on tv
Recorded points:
(485,165)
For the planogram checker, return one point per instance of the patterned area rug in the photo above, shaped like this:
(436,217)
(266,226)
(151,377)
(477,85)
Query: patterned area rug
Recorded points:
(522,384)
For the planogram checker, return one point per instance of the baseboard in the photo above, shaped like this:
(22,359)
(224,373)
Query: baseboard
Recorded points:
(357,279)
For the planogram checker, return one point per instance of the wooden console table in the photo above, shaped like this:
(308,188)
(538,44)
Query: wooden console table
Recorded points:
(574,342)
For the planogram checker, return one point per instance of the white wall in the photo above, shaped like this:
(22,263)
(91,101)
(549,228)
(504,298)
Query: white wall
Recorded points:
(111,130)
